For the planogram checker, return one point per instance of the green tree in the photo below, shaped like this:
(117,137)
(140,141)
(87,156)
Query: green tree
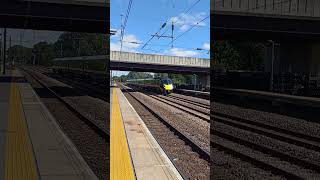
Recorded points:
(138,75)
(80,44)
(44,53)
(238,55)
(225,55)
(20,54)
(251,55)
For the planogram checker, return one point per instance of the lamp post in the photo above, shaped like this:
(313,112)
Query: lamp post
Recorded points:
(0,46)
(4,51)
(273,44)
(195,81)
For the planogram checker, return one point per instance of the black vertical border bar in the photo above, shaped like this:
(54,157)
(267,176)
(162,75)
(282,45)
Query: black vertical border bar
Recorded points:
(211,78)
(108,78)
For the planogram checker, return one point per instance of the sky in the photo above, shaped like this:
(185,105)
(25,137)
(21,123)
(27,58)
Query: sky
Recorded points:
(191,27)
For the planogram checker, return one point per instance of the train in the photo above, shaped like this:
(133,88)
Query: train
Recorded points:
(162,85)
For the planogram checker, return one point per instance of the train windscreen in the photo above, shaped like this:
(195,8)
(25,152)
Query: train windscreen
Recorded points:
(167,81)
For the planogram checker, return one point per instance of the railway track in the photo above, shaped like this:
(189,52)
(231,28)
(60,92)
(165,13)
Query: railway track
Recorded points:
(190,104)
(90,89)
(90,139)
(190,110)
(202,152)
(285,153)
(164,131)
(200,159)
(194,102)
(201,113)
(102,132)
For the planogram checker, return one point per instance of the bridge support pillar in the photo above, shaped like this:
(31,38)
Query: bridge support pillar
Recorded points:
(204,80)
(295,57)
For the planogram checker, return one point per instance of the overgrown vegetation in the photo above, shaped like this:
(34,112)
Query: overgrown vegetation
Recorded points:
(237,55)
(68,44)
(177,79)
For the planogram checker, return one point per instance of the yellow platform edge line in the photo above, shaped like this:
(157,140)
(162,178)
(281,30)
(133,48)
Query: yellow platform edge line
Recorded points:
(120,158)
(19,162)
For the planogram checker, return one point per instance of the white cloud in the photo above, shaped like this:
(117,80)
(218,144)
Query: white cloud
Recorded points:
(127,44)
(185,21)
(206,46)
(181,52)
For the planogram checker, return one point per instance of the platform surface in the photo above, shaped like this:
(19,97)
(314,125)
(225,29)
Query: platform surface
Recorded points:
(299,100)
(148,160)
(32,145)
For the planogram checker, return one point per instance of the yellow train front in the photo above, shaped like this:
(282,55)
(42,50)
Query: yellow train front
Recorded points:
(161,85)
(166,86)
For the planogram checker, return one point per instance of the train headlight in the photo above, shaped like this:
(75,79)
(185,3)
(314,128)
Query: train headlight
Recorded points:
(168,87)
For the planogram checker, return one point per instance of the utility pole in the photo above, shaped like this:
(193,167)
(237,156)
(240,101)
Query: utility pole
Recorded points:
(79,39)
(272,62)
(164,36)
(172,28)
(273,44)
(61,55)
(79,47)
(195,81)
(121,33)
(21,51)
(10,52)
(1,47)
(4,51)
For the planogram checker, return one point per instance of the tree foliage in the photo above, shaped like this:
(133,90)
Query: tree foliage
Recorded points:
(19,53)
(180,78)
(238,55)
(138,75)
(69,44)
(44,53)
(80,44)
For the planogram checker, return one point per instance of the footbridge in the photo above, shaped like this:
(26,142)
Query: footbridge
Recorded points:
(266,19)
(60,15)
(128,61)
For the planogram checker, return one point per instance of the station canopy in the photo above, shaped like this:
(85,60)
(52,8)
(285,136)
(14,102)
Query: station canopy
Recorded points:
(102,3)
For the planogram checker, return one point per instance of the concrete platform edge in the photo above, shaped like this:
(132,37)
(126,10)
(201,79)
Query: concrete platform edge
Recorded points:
(154,141)
(70,146)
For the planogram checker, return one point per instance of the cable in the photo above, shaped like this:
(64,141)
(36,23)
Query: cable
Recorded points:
(162,45)
(164,24)
(190,28)
(192,6)
(125,22)
(180,47)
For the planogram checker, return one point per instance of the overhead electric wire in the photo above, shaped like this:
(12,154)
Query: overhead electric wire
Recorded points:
(163,45)
(190,28)
(163,25)
(192,6)
(186,11)
(125,22)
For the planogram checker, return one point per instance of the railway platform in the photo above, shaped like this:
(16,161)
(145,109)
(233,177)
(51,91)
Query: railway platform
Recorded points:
(276,98)
(134,153)
(32,145)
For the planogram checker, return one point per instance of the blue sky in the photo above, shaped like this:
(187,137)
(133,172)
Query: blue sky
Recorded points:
(146,18)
